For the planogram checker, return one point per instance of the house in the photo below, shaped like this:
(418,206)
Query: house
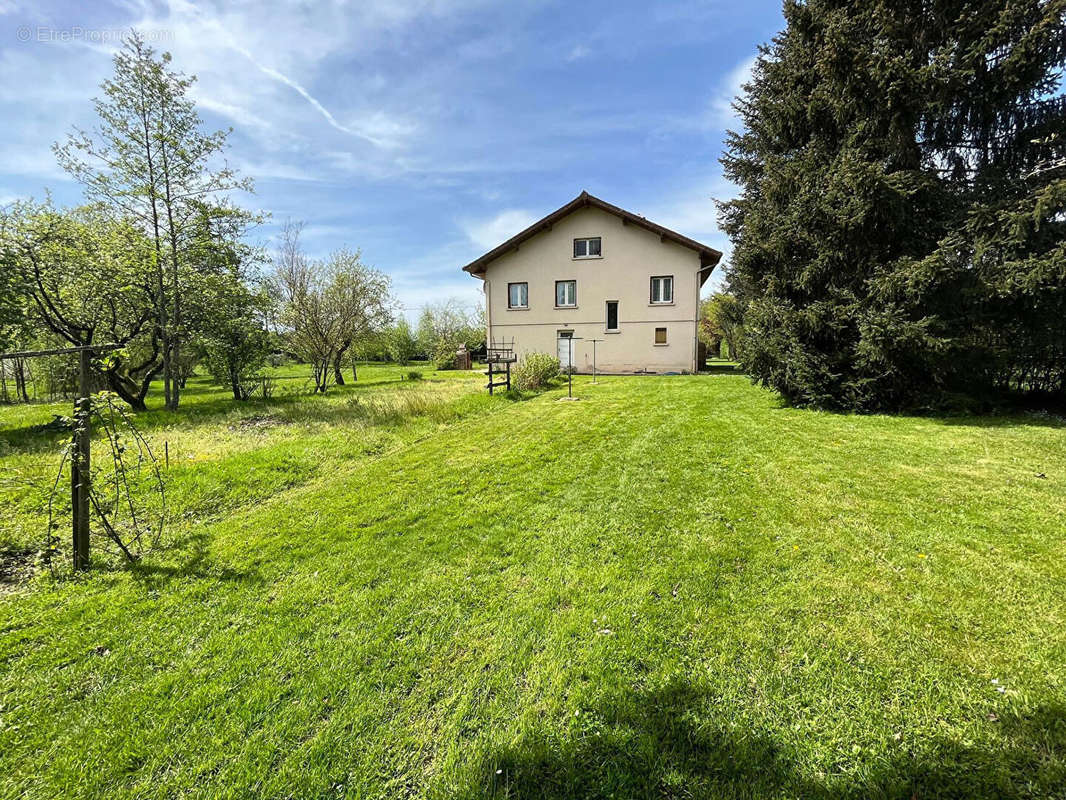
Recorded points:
(591,270)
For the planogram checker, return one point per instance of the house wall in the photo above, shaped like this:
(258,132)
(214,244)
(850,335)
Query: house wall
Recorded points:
(630,257)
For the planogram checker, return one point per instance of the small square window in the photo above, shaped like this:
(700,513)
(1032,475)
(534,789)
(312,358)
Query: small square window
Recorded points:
(662,289)
(587,248)
(612,315)
(660,336)
(565,293)
(518,295)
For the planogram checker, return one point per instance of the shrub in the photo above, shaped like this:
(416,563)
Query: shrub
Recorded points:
(536,371)
(401,342)
(414,375)
(444,355)
(257,386)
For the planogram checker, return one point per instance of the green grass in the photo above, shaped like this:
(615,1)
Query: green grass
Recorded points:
(673,587)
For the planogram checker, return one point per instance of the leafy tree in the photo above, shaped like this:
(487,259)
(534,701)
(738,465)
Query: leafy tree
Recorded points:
(235,346)
(362,301)
(89,279)
(721,319)
(149,160)
(446,326)
(328,307)
(13,289)
(899,234)
(402,343)
(234,308)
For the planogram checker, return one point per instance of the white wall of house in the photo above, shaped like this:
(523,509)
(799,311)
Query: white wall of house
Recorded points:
(630,257)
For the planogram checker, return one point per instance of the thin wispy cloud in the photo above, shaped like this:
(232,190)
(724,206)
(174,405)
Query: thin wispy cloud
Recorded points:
(423,131)
(306,95)
(722,115)
(488,233)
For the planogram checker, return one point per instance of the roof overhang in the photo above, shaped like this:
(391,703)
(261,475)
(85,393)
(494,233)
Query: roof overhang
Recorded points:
(709,257)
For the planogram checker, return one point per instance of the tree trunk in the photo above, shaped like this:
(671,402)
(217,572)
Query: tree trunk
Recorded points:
(172,235)
(127,389)
(153,193)
(20,381)
(321,370)
(338,359)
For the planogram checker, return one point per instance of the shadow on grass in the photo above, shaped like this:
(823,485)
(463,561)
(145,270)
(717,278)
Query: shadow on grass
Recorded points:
(187,558)
(993,418)
(668,744)
(724,368)
(1029,419)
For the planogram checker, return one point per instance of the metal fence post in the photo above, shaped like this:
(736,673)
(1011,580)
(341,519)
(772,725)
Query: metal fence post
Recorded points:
(80,467)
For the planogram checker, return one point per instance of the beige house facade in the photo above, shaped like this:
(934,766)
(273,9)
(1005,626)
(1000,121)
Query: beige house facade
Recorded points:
(593,271)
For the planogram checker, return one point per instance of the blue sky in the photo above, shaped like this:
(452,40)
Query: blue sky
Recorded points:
(422,131)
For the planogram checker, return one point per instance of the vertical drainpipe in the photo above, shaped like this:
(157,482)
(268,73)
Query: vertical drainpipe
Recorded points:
(488,308)
(696,325)
(696,341)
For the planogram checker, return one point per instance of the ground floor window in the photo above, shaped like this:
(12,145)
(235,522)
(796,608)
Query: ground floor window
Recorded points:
(612,315)
(660,336)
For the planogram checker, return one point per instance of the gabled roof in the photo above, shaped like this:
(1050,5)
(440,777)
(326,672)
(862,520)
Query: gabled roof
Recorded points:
(708,255)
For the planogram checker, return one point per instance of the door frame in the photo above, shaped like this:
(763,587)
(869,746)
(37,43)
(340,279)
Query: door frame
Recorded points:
(561,335)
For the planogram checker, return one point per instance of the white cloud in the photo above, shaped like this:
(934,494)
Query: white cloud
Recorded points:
(578,52)
(492,232)
(378,119)
(692,212)
(721,114)
(236,113)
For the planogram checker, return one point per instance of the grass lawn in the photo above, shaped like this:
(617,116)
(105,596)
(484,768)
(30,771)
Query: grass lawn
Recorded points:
(673,587)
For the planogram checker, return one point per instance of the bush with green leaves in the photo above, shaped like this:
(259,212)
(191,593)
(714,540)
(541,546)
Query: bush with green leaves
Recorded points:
(401,342)
(536,371)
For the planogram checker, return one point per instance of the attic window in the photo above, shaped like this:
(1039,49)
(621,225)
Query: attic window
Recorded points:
(587,248)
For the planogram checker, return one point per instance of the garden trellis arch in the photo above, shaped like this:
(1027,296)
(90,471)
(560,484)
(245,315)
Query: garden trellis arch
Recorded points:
(80,475)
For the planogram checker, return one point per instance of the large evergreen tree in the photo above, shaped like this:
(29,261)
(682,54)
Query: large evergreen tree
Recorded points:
(899,236)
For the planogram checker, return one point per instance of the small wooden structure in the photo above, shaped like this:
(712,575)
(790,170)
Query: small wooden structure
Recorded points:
(462,358)
(501,356)
(79,462)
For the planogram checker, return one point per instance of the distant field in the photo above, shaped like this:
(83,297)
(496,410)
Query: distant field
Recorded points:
(673,587)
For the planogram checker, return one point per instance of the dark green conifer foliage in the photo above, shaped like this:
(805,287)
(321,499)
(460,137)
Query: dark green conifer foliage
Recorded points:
(900,235)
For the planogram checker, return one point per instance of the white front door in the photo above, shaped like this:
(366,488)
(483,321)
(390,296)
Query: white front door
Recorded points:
(564,348)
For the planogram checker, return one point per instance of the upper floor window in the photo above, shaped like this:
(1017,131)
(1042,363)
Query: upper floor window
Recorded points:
(587,248)
(565,293)
(662,289)
(612,315)
(518,295)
